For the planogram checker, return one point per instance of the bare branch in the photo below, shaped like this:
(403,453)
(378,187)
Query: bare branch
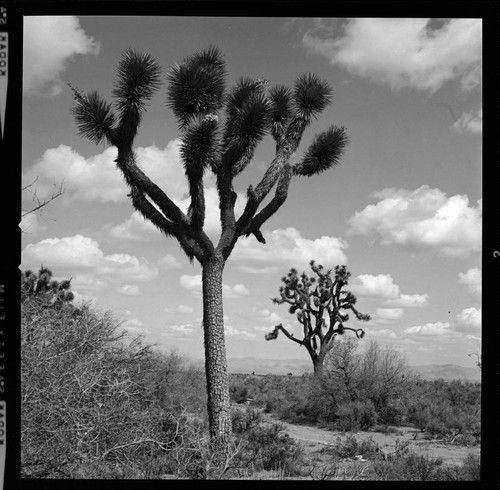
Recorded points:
(41,204)
(163,446)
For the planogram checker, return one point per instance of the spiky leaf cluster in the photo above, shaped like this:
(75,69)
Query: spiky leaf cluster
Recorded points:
(138,78)
(325,151)
(311,95)
(93,116)
(196,86)
(281,111)
(247,118)
(200,146)
(342,275)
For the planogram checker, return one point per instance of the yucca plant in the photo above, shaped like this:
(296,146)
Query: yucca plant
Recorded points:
(219,132)
(319,302)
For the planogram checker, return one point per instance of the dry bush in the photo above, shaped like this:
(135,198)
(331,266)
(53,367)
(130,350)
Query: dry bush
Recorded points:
(94,401)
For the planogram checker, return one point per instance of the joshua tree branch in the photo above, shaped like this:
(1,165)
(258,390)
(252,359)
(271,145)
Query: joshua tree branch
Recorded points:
(140,202)
(242,163)
(227,200)
(196,213)
(273,206)
(274,334)
(135,177)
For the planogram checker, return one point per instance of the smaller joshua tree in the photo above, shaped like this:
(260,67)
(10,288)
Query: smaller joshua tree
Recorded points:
(41,285)
(320,306)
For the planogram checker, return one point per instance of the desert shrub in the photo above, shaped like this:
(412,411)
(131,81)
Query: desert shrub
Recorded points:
(469,470)
(268,447)
(192,456)
(291,398)
(405,465)
(391,413)
(409,467)
(352,448)
(284,396)
(442,411)
(175,382)
(92,399)
(297,412)
(420,413)
(321,399)
(244,419)
(238,391)
(352,416)
(378,375)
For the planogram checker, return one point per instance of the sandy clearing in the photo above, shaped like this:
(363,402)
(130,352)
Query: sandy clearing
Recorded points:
(315,438)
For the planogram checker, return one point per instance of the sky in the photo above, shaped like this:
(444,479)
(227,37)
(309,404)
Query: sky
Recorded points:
(403,210)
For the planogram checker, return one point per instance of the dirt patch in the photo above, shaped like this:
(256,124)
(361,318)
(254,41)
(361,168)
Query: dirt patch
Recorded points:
(314,439)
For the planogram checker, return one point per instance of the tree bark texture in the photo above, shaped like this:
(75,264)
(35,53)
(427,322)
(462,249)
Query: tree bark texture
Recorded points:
(215,355)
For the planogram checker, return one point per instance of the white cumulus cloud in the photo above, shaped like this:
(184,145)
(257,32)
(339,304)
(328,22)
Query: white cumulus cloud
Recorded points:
(233,332)
(97,179)
(269,316)
(422,219)
(466,323)
(234,291)
(135,228)
(129,290)
(81,254)
(410,52)
(389,313)
(193,283)
(469,122)
(125,266)
(50,43)
(88,282)
(430,329)
(258,270)
(288,248)
(384,333)
(469,320)
(77,250)
(212,225)
(471,279)
(169,262)
(186,329)
(380,286)
(408,300)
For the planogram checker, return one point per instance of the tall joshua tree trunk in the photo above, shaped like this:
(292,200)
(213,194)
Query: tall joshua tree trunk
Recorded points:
(317,360)
(215,353)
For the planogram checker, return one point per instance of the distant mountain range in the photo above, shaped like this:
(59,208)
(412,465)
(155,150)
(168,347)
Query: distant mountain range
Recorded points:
(448,372)
(300,366)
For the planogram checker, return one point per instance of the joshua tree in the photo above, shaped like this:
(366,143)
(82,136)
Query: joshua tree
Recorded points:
(41,285)
(320,308)
(219,131)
